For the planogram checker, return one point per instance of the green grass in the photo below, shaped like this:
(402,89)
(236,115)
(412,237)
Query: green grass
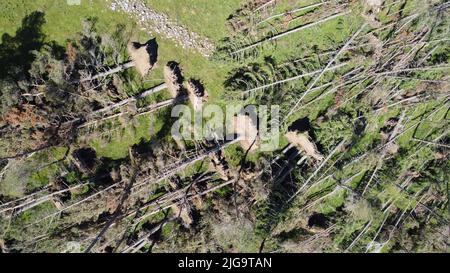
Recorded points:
(32,173)
(323,187)
(348,232)
(117,146)
(332,202)
(324,36)
(354,183)
(205,17)
(400,199)
(44,175)
(63,23)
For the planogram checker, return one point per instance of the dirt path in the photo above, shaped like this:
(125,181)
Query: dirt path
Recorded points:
(161,24)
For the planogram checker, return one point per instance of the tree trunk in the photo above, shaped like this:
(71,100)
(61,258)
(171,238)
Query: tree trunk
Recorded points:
(114,70)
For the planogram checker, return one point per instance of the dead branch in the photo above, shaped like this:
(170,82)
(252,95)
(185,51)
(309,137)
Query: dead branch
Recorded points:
(278,36)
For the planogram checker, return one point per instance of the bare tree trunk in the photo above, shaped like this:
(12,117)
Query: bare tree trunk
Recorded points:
(184,199)
(141,95)
(313,83)
(294,78)
(148,109)
(33,203)
(292,11)
(114,70)
(278,36)
(316,171)
(268,3)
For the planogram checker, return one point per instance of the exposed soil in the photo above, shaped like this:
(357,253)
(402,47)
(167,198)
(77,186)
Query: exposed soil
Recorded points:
(303,141)
(144,56)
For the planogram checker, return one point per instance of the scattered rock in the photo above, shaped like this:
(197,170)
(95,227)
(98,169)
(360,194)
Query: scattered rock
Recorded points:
(161,24)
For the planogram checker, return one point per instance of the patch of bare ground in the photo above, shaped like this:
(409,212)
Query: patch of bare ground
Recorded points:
(197,93)
(141,58)
(303,141)
(371,10)
(173,78)
(247,132)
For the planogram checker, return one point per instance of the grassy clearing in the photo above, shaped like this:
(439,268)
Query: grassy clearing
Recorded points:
(321,38)
(205,17)
(63,22)
(117,146)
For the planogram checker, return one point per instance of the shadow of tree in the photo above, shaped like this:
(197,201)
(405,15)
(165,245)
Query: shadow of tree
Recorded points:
(283,185)
(152,49)
(16,53)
